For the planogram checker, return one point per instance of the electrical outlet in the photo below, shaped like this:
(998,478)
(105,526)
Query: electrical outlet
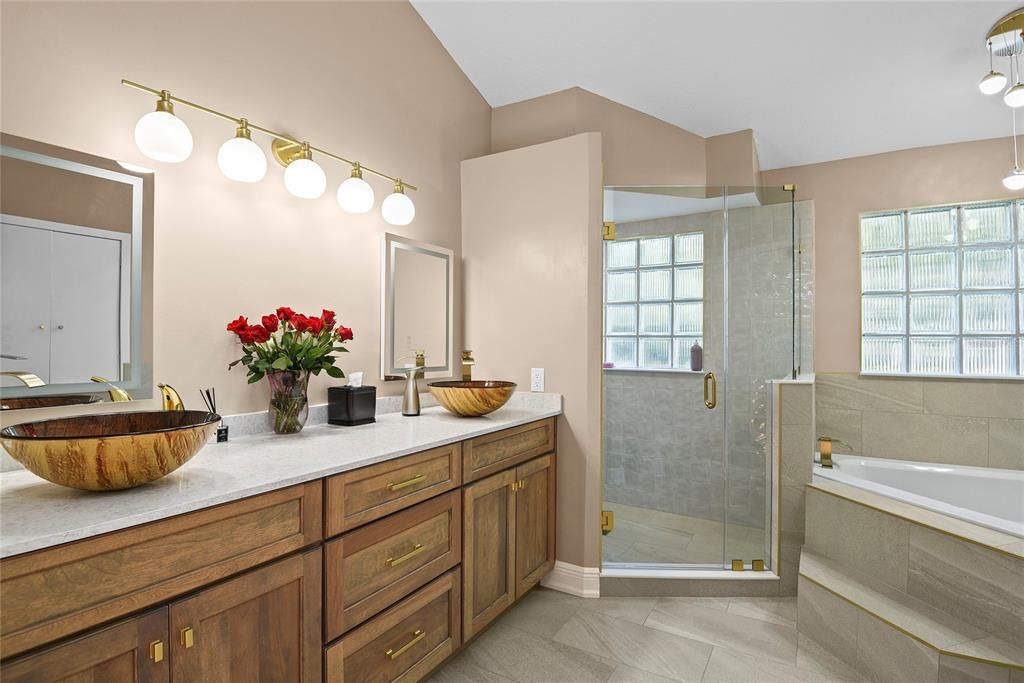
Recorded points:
(537,379)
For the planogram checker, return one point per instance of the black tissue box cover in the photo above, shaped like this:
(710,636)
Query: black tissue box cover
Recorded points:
(351,406)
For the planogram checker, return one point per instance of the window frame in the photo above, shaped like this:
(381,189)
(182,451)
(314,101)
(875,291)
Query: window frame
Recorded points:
(672,266)
(959,248)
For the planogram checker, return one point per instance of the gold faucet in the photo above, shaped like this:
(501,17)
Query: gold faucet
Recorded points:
(467,366)
(170,398)
(825,449)
(116,393)
(26,378)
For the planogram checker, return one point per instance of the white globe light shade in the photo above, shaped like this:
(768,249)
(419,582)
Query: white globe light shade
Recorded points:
(355,195)
(242,159)
(992,82)
(1014,180)
(1014,97)
(398,209)
(304,178)
(163,136)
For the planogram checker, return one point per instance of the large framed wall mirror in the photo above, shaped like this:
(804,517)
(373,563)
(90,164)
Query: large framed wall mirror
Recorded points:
(75,276)
(416,314)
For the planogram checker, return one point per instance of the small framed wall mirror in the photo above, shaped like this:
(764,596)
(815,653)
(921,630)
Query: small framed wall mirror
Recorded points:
(75,278)
(417,306)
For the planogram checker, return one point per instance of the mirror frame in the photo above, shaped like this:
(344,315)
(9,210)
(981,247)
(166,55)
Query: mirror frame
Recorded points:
(391,244)
(139,384)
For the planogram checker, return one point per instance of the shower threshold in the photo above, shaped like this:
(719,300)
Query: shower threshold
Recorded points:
(626,570)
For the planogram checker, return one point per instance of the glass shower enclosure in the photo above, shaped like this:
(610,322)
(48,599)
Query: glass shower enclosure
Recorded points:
(701,312)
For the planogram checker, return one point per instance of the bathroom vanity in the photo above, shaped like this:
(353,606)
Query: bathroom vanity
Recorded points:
(370,553)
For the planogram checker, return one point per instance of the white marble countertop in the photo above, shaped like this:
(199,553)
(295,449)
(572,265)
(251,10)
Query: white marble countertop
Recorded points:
(36,514)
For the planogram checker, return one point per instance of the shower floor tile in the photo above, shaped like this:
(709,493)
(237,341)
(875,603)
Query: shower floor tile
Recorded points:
(643,535)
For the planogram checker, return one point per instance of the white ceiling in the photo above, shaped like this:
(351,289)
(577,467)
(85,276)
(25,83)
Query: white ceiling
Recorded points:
(815,80)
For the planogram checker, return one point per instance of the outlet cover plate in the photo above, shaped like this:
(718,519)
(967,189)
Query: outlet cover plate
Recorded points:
(537,379)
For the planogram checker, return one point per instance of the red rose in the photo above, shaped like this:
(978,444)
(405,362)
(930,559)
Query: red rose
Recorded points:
(285,313)
(244,335)
(345,333)
(328,318)
(237,325)
(299,322)
(316,325)
(257,334)
(270,322)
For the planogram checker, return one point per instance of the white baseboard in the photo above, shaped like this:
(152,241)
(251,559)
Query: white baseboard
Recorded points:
(583,582)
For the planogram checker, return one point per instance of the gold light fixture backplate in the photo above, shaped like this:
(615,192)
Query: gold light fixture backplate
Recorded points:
(285,152)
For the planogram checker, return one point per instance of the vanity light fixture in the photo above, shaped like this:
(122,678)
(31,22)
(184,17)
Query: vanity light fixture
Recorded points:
(397,208)
(163,136)
(242,159)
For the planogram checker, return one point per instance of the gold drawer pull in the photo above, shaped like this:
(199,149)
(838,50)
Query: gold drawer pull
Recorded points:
(408,482)
(417,636)
(156,651)
(395,561)
(187,637)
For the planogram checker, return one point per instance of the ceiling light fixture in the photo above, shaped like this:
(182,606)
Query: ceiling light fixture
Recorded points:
(1014,180)
(994,81)
(163,136)
(1006,39)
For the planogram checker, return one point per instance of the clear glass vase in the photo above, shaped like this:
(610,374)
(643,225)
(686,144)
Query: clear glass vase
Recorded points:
(289,406)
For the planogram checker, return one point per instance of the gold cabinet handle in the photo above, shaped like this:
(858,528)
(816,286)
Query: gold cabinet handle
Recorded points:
(156,650)
(398,486)
(395,561)
(522,484)
(710,381)
(187,637)
(417,636)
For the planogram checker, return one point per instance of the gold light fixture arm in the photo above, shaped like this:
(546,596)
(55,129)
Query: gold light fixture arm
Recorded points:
(166,96)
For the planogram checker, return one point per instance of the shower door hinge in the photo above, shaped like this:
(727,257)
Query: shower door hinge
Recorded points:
(757,565)
(607,521)
(790,187)
(609,230)
(738,566)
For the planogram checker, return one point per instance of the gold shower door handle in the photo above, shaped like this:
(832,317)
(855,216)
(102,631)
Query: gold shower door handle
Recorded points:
(710,398)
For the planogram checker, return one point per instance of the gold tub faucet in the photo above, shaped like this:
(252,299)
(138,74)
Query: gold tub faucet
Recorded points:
(467,366)
(825,449)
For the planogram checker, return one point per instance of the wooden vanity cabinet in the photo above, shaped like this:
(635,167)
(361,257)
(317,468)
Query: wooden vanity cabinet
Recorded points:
(132,651)
(508,540)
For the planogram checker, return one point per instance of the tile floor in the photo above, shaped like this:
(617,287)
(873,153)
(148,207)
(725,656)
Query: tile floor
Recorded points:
(552,637)
(642,535)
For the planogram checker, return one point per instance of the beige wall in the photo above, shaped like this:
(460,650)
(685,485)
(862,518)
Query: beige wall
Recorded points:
(732,160)
(843,189)
(637,148)
(532,259)
(367,80)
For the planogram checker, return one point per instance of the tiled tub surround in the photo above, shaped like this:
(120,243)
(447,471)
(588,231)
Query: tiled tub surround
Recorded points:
(661,445)
(35,514)
(963,422)
(903,593)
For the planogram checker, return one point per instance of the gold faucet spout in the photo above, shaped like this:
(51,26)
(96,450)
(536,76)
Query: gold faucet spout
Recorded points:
(116,393)
(26,378)
(467,366)
(825,449)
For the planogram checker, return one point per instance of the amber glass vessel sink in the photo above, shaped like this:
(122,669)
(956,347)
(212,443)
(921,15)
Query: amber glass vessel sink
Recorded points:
(473,398)
(110,451)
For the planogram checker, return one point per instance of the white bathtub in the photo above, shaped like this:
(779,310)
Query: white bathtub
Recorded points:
(986,496)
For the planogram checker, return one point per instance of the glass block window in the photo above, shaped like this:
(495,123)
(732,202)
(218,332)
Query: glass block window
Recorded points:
(942,291)
(653,301)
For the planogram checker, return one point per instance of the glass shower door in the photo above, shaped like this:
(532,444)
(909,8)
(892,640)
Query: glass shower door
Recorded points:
(664,315)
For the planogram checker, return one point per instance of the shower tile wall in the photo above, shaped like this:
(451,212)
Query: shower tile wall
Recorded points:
(663,448)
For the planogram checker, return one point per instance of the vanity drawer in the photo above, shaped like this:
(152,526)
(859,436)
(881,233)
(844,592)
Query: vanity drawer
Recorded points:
(380,563)
(360,496)
(492,453)
(59,591)
(405,643)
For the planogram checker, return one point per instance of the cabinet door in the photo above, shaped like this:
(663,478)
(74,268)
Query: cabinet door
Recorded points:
(133,651)
(263,626)
(25,265)
(488,550)
(535,522)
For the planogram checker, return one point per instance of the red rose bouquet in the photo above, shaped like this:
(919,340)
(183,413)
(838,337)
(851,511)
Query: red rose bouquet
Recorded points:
(286,347)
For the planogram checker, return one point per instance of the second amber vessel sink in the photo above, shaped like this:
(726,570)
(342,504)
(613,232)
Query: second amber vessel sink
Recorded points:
(110,451)
(472,398)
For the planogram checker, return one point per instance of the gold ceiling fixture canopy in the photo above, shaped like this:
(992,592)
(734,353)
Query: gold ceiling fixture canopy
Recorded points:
(1005,34)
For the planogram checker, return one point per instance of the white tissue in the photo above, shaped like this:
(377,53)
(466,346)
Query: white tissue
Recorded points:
(355,379)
